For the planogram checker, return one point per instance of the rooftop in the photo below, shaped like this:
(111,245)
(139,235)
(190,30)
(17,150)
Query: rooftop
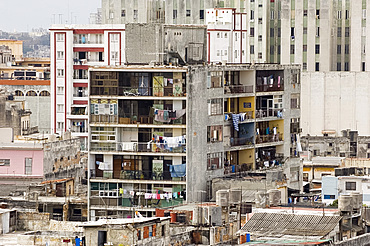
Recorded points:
(122,221)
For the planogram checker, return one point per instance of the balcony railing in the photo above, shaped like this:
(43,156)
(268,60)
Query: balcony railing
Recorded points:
(138,147)
(241,141)
(264,113)
(270,87)
(134,119)
(232,89)
(138,175)
(269,138)
(80,76)
(140,91)
(83,94)
(235,169)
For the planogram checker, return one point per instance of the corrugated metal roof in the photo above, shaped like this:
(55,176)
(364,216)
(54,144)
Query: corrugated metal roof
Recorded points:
(273,224)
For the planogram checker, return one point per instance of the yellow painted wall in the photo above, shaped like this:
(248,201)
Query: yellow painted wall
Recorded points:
(250,100)
(306,169)
(280,126)
(246,156)
(16,46)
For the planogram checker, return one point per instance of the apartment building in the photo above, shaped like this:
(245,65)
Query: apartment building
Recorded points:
(137,139)
(242,118)
(74,49)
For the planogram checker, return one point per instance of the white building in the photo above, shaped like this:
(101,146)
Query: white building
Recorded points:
(333,187)
(74,49)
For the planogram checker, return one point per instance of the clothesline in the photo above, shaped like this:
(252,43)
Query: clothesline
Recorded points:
(161,115)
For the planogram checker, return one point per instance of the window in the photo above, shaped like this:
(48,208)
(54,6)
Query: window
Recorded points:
(259,20)
(111,14)
(271,49)
(292,49)
(251,32)
(363,66)
(350,185)
(339,14)
(318,31)
(339,66)
(346,49)
(215,106)
(226,34)
(60,37)
(279,32)
(28,166)
(188,12)
(18,93)
(236,36)
(60,72)
(339,49)
(44,94)
(339,32)
(60,125)
(260,55)
(4,162)
(174,14)
(225,52)
(346,31)
(123,13)
(218,53)
(347,14)
(271,32)
(60,54)
(317,66)
(272,15)
(304,30)
(214,161)
(278,50)
(259,37)
(218,35)
(252,15)
(305,48)
(364,14)
(292,32)
(60,108)
(135,14)
(201,14)
(346,66)
(114,55)
(215,80)
(31,94)
(317,13)
(305,177)
(304,66)
(214,134)
(60,90)
(252,49)
(317,49)
(305,13)
(236,54)
(295,101)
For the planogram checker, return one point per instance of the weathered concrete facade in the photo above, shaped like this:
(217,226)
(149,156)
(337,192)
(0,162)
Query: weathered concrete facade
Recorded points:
(245,150)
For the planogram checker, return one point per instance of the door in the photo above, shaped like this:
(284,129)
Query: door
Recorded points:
(102,238)
(270,107)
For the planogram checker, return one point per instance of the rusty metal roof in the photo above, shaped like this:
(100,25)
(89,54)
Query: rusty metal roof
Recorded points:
(278,224)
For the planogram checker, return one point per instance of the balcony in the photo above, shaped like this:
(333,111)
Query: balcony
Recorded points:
(238,169)
(134,119)
(101,90)
(268,113)
(241,141)
(234,89)
(141,147)
(80,76)
(269,138)
(268,84)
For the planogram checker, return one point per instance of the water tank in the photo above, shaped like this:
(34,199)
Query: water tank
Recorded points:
(345,203)
(222,198)
(274,197)
(261,199)
(357,200)
(235,196)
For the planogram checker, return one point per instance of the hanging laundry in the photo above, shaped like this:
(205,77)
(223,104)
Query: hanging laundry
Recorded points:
(172,115)
(166,115)
(278,82)
(236,121)
(178,171)
(128,146)
(267,130)
(132,193)
(180,112)
(148,196)
(242,116)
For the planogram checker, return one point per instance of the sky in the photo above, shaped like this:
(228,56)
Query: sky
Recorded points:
(23,15)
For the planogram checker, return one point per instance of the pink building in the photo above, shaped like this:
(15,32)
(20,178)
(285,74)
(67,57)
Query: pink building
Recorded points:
(21,160)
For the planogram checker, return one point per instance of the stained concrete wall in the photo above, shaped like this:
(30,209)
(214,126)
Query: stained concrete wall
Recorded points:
(362,240)
(335,101)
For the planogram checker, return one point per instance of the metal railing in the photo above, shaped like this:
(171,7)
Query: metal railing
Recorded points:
(237,169)
(241,141)
(138,147)
(270,87)
(264,113)
(134,119)
(232,89)
(268,138)
(141,91)
(140,175)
